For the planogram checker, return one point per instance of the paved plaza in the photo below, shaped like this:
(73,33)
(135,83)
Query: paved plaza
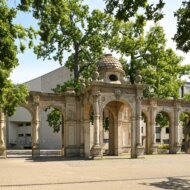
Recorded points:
(48,173)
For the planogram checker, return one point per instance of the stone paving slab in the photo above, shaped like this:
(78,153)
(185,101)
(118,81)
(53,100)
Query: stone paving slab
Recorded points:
(49,173)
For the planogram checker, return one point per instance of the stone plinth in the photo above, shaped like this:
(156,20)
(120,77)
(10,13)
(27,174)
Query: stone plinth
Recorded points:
(177,148)
(96,152)
(154,149)
(140,151)
(35,152)
(3,152)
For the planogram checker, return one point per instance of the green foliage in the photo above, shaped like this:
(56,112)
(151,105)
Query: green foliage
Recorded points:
(162,119)
(70,83)
(182,36)
(143,117)
(92,118)
(184,118)
(68,26)
(106,123)
(125,10)
(54,119)
(10,95)
(186,96)
(163,146)
(160,67)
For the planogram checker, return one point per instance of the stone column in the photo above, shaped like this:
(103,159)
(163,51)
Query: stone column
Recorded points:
(133,137)
(96,150)
(177,143)
(153,105)
(2,135)
(140,148)
(63,139)
(82,131)
(35,128)
(148,136)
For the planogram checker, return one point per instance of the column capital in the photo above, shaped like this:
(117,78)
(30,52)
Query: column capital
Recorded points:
(96,94)
(153,103)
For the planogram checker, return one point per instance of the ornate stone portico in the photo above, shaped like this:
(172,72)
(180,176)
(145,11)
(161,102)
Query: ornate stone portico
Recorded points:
(110,95)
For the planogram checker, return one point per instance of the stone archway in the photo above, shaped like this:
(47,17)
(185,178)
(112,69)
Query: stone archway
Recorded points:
(51,137)
(119,127)
(184,131)
(164,132)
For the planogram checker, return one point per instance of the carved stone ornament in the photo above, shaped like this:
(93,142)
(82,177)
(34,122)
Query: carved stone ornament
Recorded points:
(36,99)
(95,76)
(118,93)
(103,99)
(138,78)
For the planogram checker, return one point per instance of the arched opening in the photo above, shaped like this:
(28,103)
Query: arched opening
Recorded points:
(184,132)
(19,133)
(116,124)
(163,132)
(51,132)
(108,132)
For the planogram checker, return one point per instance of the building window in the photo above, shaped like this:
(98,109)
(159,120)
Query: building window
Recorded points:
(28,135)
(158,129)
(20,124)
(28,124)
(141,129)
(158,140)
(167,130)
(20,135)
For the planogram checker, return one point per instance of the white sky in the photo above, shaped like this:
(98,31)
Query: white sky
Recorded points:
(30,67)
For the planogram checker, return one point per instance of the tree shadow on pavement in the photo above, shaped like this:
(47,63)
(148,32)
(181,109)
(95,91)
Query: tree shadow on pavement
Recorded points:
(172,183)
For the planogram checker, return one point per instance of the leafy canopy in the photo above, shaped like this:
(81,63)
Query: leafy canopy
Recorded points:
(10,95)
(182,36)
(68,26)
(142,10)
(159,66)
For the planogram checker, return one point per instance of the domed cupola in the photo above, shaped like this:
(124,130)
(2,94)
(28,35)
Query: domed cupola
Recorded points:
(110,70)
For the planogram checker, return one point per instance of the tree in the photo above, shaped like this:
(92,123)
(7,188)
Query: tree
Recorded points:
(142,10)
(68,26)
(182,36)
(160,67)
(10,95)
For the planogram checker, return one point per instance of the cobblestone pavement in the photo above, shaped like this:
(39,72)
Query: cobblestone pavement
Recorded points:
(49,173)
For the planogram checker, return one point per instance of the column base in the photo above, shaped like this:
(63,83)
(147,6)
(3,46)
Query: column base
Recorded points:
(177,148)
(3,152)
(96,152)
(154,149)
(62,151)
(82,151)
(35,152)
(140,151)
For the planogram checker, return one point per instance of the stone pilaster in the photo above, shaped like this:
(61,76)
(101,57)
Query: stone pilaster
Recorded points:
(2,135)
(153,126)
(35,128)
(63,139)
(133,137)
(177,143)
(96,150)
(139,147)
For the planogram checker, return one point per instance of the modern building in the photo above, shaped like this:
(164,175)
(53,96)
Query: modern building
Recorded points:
(19,133)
